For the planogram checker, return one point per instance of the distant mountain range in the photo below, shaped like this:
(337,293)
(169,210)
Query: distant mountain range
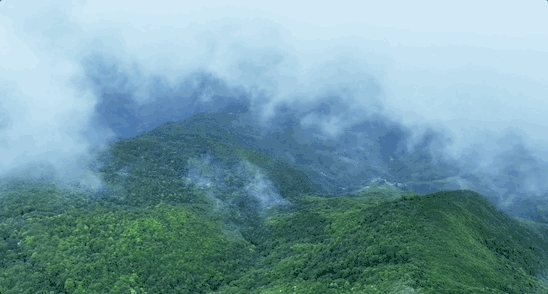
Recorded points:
(350,164)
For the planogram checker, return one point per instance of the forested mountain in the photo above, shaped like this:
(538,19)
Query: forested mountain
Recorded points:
(211,205)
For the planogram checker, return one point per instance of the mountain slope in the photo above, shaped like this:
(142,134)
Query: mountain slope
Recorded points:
(188,208)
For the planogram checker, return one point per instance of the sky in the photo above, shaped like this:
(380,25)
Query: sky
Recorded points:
(472,71)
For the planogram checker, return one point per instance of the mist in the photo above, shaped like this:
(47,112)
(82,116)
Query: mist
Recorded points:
(461,86)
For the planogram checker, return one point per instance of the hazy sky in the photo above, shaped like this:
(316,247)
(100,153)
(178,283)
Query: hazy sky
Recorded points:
(471,68)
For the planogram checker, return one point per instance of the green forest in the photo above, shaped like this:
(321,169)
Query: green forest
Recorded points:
(191,210)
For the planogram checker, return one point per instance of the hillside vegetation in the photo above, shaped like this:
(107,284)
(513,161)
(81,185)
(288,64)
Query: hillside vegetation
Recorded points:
(188,209)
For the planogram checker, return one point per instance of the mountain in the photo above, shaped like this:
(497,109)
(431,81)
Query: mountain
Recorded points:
(212,205)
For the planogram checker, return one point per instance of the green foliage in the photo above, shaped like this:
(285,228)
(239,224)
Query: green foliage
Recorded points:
(163,249)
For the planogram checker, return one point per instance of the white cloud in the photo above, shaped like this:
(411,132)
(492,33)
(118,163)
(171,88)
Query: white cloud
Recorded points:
(462,67)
